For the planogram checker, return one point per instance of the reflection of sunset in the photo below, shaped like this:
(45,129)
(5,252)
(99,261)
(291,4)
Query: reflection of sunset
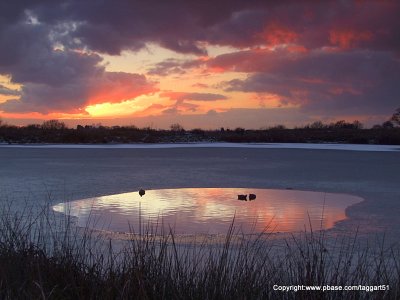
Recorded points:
(211,210)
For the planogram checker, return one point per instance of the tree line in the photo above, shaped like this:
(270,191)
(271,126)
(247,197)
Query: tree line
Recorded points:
(56,131)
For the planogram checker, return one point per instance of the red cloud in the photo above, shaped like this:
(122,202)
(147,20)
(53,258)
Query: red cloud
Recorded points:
(255,60)
(116,87)
(275,34)
(349,38)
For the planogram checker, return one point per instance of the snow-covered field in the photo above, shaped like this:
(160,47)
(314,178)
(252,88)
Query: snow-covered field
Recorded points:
(35,174)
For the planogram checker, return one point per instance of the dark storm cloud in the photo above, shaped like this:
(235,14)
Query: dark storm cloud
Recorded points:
(30,57)
(71,97)
(11,11)
(357,82)
(57,79)
(45,99)
(110,27)
(183,26)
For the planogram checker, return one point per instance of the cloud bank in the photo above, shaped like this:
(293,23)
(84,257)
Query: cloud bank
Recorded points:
(330,57)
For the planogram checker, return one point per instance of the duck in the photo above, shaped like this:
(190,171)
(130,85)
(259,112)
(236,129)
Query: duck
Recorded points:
(242,197)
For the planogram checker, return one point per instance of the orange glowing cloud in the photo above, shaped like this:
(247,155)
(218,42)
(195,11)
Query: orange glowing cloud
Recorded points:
(153,109)
(216,69)
(38,116)
(118,87)
(143,105)
(182,96)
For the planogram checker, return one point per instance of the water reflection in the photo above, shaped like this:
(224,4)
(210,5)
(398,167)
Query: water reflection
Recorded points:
(211,210)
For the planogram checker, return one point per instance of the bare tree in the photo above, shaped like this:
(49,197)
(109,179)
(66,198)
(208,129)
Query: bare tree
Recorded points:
(317,125)
(396,117)
(53,125)
(357,125)
(176,127)
(387,124)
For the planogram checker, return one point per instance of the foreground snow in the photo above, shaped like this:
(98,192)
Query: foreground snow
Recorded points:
(348,147)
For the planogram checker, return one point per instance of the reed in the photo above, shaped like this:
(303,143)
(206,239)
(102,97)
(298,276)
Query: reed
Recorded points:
(45,257)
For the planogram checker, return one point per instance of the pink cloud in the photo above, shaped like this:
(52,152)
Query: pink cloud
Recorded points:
(349,38)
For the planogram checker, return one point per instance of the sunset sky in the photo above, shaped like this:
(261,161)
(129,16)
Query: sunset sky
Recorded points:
(208,64)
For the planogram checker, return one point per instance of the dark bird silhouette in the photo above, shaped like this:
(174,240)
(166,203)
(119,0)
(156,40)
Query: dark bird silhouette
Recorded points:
(142,192)
(252,197)
(242,197)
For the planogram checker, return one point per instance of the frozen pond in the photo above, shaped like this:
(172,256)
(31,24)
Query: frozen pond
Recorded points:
(34,176)
(211,210)
(324,146)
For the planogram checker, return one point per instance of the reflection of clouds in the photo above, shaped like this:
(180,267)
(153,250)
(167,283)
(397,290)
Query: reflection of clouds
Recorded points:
(212,209)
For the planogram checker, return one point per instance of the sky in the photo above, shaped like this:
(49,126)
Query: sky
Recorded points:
(202,64)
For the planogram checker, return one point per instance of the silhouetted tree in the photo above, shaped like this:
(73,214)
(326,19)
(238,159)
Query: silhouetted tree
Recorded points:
(317,125)
(278,127)
(357,125)
(53,125)
(240,130)
(33,126)
(396,117)
(342,124)
(176,127)
(198,131)
(387,124)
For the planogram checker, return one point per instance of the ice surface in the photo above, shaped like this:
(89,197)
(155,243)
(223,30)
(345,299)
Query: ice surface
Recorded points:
(348,147)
